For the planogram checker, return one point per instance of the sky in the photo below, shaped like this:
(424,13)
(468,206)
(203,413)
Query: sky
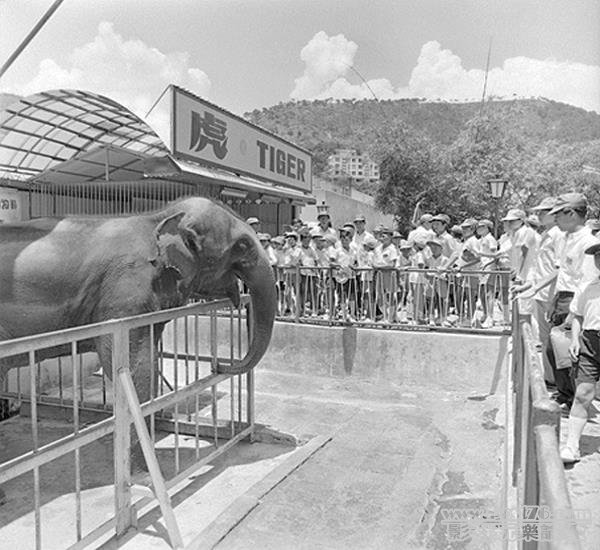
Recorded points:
(249,54)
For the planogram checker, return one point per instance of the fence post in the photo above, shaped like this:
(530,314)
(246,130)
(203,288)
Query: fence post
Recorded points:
(299,297)
(124,513)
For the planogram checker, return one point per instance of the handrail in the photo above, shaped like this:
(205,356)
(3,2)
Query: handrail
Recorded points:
(538,472)
(84,332)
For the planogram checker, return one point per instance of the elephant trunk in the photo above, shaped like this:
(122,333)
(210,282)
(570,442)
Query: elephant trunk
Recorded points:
(261,284)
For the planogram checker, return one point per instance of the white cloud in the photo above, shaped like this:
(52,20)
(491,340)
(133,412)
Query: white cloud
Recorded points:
(439,74)
(128,71)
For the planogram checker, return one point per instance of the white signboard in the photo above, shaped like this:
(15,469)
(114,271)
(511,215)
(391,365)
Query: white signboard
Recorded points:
(10,205)
(207,134)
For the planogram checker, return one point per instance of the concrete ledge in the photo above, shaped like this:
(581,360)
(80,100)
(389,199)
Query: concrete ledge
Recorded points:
(452,361)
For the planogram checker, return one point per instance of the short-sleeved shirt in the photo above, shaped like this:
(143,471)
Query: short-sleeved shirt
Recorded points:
(576,269)
(420,233)
(359,239)
(488,245)
(587,305)
(524,236)
(346,259)
(469,254)
(386,256)
(322,232)
(322,256)
(291,257)
(546,260)
(449,244)
(308,258)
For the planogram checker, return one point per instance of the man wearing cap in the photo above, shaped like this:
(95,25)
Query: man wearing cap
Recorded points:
(469,260)
(344,260)
(254,223)
(361,233)
(351,230)
(488,251)
(308,277)
(384,261)
(364,282)
(324,226)
(576,269)
(439,225)
(546,264)
(522,240)
(423,230)
(585,351)
(437,288)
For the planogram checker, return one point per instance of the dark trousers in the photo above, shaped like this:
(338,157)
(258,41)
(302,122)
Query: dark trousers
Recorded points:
(563,377)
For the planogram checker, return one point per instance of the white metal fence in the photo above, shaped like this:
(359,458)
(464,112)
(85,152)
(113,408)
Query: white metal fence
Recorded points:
(184,368)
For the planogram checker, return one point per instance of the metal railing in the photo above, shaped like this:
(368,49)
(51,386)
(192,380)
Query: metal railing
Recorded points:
(183,365)
(395,297)
(538,475)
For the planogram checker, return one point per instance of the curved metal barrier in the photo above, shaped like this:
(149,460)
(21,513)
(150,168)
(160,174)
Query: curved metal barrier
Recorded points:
(546,518)
(395,297)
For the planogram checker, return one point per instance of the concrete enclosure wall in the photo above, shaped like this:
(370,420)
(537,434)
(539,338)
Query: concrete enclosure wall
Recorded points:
(452,361)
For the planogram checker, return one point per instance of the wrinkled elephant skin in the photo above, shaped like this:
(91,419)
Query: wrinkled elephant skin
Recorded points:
(60,273)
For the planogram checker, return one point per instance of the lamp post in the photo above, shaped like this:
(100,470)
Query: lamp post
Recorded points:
(496,187)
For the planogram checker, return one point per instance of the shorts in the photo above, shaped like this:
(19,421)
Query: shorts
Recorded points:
(588,367)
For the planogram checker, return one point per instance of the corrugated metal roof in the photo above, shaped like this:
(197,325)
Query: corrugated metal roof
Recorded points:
(45,129)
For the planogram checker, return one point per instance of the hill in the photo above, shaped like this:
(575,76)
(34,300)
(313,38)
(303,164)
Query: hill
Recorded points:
(321,126)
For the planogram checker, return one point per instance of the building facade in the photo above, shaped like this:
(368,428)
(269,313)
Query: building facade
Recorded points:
(349,163)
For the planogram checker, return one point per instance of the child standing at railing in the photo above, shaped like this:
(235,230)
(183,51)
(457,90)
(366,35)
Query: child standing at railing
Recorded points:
(585,349)
(385,261)
(437,287)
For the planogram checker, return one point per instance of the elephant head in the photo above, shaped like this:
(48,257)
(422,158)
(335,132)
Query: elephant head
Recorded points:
(208,247)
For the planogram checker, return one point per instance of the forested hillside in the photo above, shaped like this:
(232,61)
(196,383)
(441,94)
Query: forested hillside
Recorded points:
(443,153)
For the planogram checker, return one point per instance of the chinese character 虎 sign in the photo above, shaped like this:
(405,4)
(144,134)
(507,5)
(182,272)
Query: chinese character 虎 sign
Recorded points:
(209,135)
(207,129)
(10,205)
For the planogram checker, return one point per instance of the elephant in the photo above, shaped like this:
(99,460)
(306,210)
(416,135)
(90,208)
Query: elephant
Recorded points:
(57,273)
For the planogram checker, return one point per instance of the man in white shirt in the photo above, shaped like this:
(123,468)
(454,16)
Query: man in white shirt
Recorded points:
(546,264)
(522,252)
(576,269)
(361,235)
(439,224)
(324,226)
(423,231)
(585,350)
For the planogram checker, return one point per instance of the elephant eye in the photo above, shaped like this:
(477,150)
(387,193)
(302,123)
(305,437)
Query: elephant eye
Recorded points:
(241,246)
(190,242)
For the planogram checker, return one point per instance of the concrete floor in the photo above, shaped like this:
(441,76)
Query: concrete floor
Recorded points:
(397,457)
(583,479)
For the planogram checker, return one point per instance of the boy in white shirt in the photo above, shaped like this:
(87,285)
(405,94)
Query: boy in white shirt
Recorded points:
(386,280)
(488,251)
(436,291)
(584,348)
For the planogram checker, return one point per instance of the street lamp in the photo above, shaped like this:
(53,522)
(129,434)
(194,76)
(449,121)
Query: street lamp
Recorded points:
(496,187)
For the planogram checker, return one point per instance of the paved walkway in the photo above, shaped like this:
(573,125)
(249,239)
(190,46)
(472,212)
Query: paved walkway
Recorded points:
(398,456)
(583,478)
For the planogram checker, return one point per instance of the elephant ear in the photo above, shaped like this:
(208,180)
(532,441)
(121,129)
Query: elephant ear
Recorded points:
(178,247)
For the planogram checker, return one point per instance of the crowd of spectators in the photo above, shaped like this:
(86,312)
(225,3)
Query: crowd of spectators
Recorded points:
(439,273)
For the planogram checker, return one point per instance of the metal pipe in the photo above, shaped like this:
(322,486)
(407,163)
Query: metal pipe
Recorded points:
(35,443)
(76,381)
(43,20)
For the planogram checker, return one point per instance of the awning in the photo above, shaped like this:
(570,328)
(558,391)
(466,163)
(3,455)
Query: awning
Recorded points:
(169,168)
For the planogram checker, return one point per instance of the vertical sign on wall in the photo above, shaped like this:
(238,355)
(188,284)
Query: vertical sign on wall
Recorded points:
(10,205)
